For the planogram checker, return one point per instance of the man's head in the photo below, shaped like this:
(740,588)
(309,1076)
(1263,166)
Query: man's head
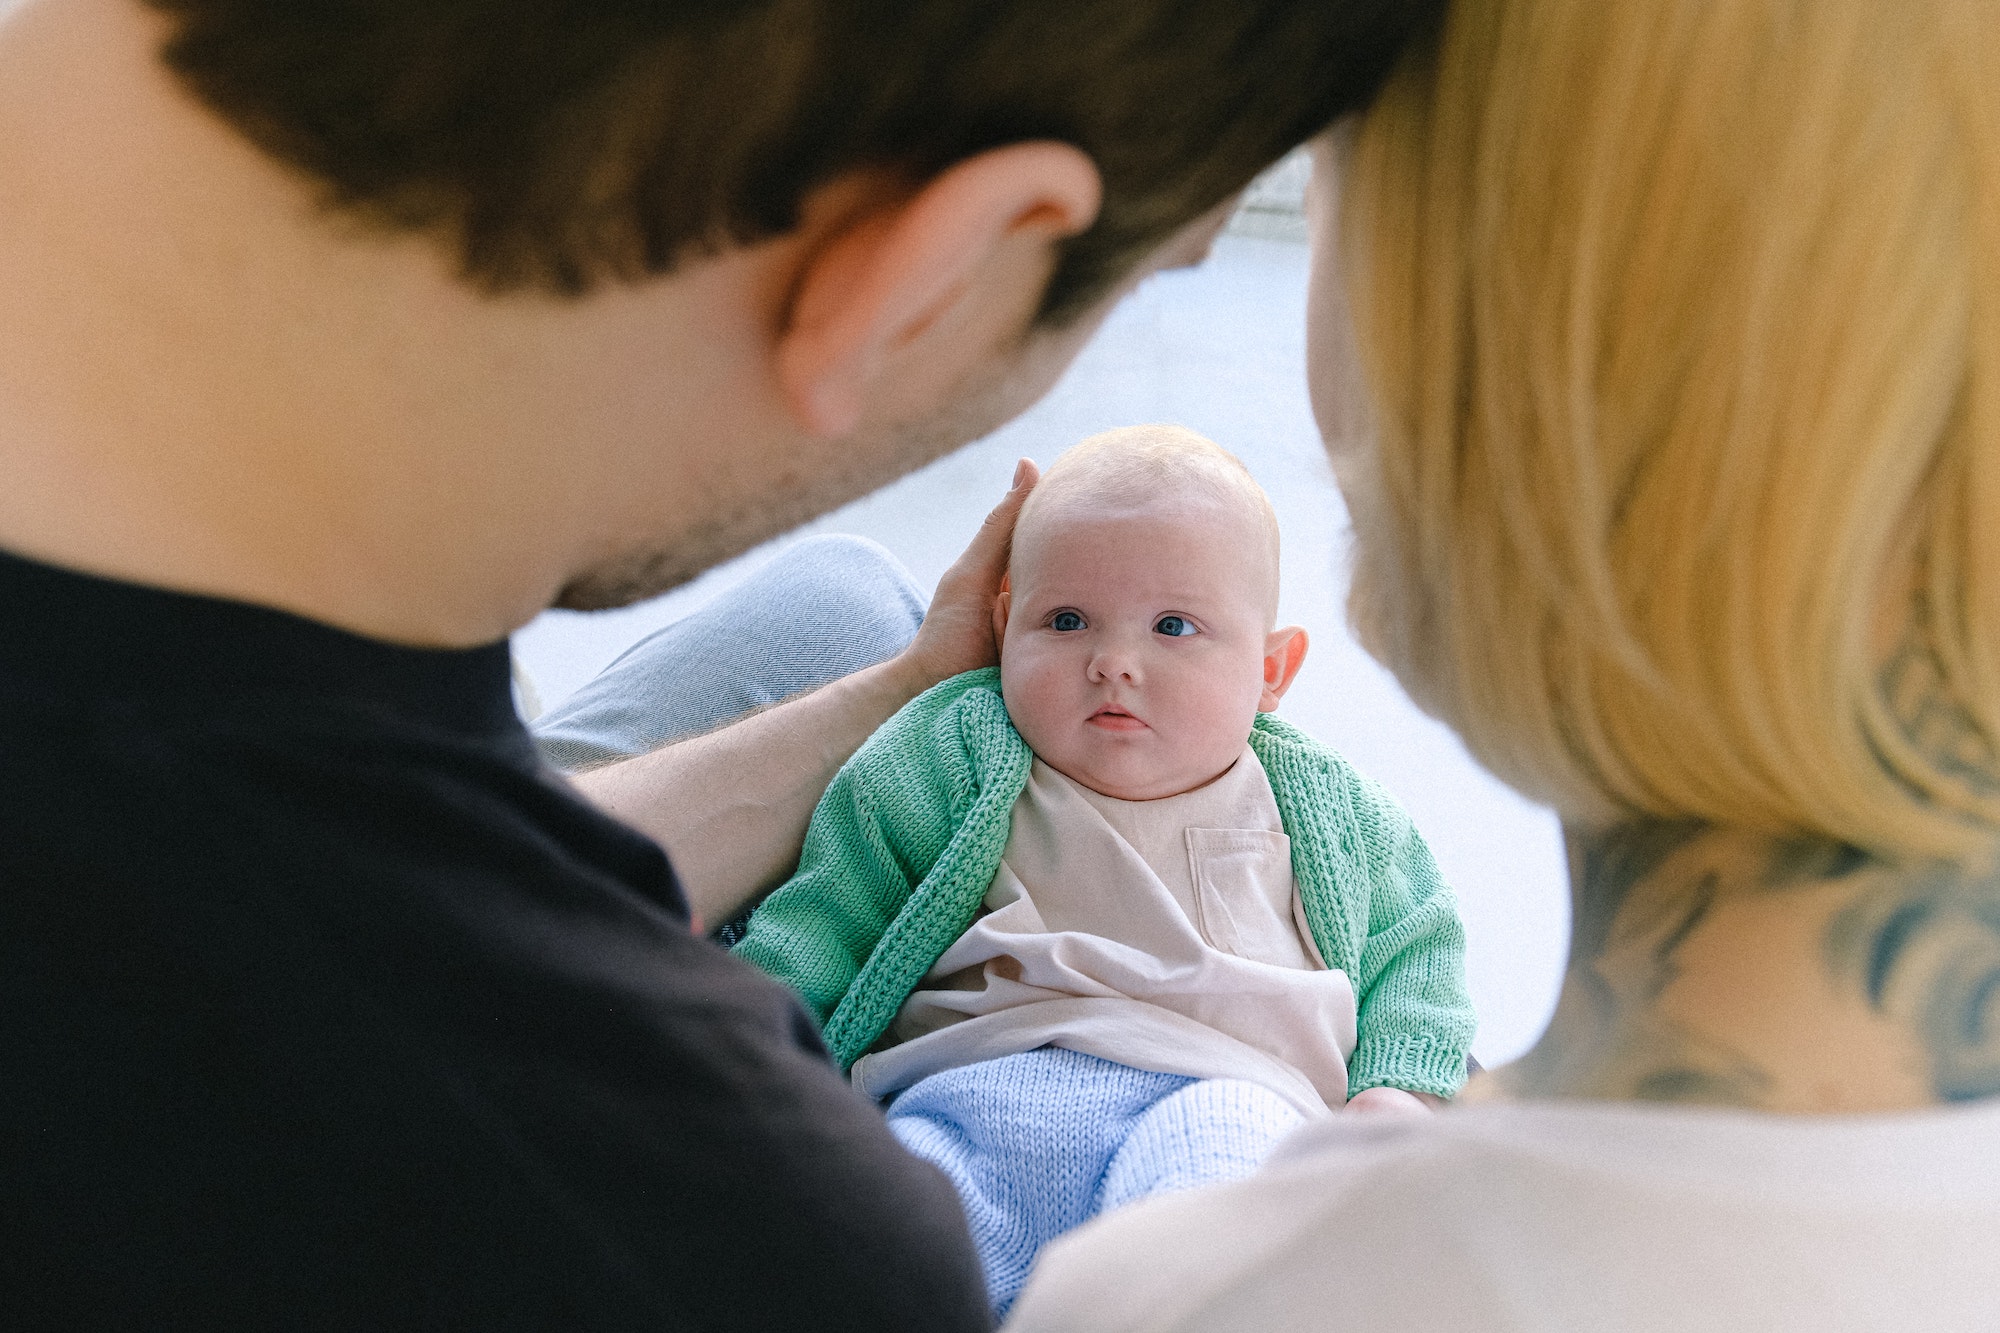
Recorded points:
(452,310)
(1138,631)
(557,143)
(562,145)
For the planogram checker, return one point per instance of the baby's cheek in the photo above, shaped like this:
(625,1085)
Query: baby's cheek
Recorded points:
(1223,708)
(1027,687)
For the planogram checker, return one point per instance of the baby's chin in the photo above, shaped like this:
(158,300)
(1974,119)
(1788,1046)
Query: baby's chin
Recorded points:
(1123,782)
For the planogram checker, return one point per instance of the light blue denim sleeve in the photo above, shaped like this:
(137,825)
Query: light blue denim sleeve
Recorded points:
(823,609)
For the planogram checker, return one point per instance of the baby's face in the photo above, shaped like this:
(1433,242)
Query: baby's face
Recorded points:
(1132,656)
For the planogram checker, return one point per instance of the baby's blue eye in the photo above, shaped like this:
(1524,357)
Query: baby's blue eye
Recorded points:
(1066,621)
(1174,627)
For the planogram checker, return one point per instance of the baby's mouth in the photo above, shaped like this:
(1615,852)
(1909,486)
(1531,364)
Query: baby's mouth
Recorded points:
(1113,718)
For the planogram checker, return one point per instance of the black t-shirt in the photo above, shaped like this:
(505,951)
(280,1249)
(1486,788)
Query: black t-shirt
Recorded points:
(324,1004)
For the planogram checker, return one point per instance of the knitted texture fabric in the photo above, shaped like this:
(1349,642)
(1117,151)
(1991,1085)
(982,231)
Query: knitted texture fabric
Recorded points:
(908,837)
(1037,1144)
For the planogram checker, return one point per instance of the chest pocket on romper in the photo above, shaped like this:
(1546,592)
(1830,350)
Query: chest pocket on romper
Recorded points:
(1243,892)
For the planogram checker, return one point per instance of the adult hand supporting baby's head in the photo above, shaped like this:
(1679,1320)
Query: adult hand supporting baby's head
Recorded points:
(957,633)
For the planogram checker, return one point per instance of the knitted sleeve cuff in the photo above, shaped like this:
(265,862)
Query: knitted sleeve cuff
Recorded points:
(1413,1062)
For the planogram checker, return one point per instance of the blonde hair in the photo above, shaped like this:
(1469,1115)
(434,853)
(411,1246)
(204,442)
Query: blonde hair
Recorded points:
(1682,326)
(1147,466)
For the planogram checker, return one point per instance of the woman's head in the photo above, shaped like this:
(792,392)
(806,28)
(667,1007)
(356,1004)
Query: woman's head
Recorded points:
(1680,325)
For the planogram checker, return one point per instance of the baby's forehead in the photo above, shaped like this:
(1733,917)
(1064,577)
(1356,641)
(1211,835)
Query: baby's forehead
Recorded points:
(1081,511)
(1105,491)
(1234,545)
(1153,472)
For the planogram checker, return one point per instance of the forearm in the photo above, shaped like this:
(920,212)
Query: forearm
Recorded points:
(732,806)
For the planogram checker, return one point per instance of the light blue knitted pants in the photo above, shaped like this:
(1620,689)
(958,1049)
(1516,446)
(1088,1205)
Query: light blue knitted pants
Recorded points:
(1039,1143)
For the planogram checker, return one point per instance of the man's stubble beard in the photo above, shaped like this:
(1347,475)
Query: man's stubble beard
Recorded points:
(718,527)
(717,531)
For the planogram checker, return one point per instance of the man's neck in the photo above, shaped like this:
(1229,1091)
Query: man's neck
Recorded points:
(1721,967)
(209,385)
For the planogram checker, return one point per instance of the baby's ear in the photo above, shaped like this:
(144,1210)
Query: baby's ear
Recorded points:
(1284,654)
(1002,604)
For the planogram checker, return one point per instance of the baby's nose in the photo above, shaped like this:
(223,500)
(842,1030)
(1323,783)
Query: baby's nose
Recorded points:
(1114,664)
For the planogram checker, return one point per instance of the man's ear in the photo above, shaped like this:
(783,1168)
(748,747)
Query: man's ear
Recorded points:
(895,270)
(1284,654)
(1003,604)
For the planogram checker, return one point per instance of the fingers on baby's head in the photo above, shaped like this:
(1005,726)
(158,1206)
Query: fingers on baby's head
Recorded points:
(1147,468)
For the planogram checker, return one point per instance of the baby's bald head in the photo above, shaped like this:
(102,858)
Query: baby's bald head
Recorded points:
(1155,469)
(1138,634)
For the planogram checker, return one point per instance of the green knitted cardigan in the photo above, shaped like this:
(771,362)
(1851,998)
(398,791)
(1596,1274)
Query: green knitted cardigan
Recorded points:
(907,839)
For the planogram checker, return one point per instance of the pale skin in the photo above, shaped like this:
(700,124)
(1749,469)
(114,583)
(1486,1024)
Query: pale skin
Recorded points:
(1728,965)
(1137,645)
(209,384)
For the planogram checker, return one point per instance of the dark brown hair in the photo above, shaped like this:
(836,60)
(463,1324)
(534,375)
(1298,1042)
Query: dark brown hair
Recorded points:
(555,143)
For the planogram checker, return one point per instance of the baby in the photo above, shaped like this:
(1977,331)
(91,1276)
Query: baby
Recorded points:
(1097,924)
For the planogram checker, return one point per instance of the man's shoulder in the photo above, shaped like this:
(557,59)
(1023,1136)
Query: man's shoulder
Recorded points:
(386,1013)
